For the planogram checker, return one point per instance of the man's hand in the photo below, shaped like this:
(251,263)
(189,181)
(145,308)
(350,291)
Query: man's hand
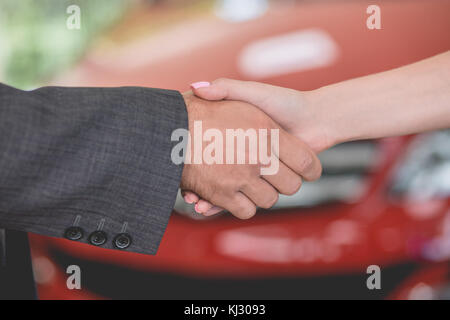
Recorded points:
(239,188)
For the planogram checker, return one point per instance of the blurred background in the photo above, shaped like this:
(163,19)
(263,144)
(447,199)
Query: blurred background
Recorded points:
(384,202)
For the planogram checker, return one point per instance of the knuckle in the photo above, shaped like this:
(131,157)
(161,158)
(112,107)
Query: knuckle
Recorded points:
(247,177)
(248,213)
(229,184)
(294,187)
(270,201)
(306,162)
(318,172)
(245,211)
(243,184)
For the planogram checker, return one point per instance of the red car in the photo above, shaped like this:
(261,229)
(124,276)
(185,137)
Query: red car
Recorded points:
(384,203)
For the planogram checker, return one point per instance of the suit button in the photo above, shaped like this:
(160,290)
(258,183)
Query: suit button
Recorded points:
(122,241)
(74,233)
(97,238)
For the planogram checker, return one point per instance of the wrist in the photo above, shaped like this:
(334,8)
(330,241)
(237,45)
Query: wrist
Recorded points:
(336,109)
(188,101)
(317,125)
(186,176)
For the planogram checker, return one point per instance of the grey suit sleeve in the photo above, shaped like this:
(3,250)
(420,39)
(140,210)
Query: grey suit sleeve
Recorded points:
(90,164)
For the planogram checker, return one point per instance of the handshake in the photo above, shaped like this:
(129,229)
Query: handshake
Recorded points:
(411,99)
(247,143)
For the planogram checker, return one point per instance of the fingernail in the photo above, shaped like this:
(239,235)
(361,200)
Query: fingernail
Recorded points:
(196,208)
(188,199)
(201,84)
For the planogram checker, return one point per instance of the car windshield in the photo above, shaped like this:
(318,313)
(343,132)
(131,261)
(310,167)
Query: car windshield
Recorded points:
(425,171)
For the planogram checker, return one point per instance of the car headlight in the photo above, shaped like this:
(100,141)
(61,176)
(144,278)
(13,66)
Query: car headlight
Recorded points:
(425,170)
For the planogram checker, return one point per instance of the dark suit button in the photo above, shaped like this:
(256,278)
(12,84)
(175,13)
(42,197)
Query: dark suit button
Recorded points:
(74,233)
(97,238)
(122,241)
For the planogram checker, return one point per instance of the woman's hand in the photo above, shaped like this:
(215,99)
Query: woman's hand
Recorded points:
(296,111)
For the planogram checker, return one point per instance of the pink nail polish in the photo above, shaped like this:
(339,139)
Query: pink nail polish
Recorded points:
(201,84)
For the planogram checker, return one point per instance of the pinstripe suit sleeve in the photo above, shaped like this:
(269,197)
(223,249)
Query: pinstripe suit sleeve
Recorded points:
(93,158)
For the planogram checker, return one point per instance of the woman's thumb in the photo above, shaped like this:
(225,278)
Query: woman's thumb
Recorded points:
(217,90)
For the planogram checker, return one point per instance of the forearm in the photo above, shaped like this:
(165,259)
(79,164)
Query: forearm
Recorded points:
(410,99)
(94,158)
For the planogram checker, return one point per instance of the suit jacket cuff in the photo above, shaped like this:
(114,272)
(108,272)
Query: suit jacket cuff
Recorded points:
(98,160)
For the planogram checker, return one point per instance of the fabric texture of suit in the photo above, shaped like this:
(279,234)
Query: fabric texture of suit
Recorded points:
(95,158)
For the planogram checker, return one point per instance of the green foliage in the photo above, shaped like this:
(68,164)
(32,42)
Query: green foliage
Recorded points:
(35,42)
